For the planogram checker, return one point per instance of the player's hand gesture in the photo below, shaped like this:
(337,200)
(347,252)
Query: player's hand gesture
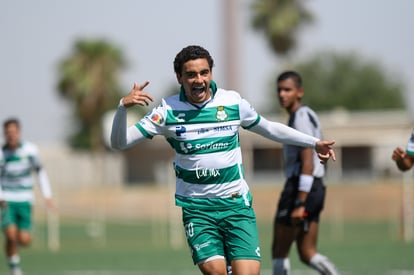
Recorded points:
(325,150)
(137,96)
(402,159)
(398,154)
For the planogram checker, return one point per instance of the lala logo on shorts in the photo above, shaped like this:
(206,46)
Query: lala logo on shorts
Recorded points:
(200,246)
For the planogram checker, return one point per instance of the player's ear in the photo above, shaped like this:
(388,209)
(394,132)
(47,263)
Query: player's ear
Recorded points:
(300,93)
(179,79)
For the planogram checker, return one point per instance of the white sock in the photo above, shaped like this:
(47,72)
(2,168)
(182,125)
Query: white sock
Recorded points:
(14,261)
(281,266)
(322,264)
(229,270)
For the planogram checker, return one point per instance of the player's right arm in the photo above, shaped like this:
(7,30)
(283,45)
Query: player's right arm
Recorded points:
(123,137)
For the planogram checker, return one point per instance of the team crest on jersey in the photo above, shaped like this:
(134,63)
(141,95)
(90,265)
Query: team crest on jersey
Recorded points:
(156,118)
(221,114)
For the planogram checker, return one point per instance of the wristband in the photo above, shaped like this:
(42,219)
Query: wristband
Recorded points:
(305,183)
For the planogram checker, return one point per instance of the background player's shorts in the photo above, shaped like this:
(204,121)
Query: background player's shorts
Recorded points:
(230,233)
(18,213)
(313,205)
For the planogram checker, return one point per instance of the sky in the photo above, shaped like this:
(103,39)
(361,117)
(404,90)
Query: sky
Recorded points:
(36,35)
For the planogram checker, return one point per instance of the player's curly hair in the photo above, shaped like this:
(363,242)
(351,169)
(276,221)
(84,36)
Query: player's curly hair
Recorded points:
(190,53)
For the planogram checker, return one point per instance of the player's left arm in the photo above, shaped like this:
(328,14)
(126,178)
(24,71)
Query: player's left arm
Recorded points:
(284,134)
(305,183)
(44,183)
(403,160)
(42,177)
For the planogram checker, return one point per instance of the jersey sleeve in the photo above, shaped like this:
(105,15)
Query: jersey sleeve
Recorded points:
(42,176)
(152,123)
(282,133)
(33,155)
(248,115)
(410,145)
(123,137)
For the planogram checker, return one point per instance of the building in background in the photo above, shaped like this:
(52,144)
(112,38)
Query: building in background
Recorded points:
(364,143)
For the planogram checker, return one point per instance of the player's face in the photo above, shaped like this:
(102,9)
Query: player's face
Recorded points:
(195,78)
(289,95)
(12,135)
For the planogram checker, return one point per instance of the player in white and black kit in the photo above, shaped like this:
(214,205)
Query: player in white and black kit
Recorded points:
(404,159)
(303,196)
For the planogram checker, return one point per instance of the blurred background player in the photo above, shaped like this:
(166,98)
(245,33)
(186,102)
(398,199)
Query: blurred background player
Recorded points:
(18,159)
(404,159)
(303,196)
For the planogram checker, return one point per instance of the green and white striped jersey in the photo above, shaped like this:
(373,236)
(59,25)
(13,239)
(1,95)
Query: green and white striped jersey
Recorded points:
(410,145)
(208,163)
(16,167)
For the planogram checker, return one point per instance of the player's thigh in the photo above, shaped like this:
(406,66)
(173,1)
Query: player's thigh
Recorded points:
(217,267)
(9,216)
(241,238)
(316,200)
(203,234)
(24,216)
(286,201)
(245,267)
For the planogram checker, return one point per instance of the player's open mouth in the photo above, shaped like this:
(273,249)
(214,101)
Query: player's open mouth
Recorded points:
(198,90)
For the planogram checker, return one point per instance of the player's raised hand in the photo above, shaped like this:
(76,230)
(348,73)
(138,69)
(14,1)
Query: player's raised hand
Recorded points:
(325,150)
(398,154)
(137,96)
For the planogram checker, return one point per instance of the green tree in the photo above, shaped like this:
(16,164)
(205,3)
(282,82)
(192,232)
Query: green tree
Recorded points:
(89,78)
(280,20)
(349,81)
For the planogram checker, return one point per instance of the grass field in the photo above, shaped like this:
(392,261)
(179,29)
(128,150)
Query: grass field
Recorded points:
(145,248)
(127,231)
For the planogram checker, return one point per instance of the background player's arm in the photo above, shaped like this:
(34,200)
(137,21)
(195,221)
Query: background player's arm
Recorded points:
(44,183)
(402,159)
(304,187)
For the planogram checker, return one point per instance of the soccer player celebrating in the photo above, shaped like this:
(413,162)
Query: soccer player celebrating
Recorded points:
(18,159)
(201,124)
(303,196)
